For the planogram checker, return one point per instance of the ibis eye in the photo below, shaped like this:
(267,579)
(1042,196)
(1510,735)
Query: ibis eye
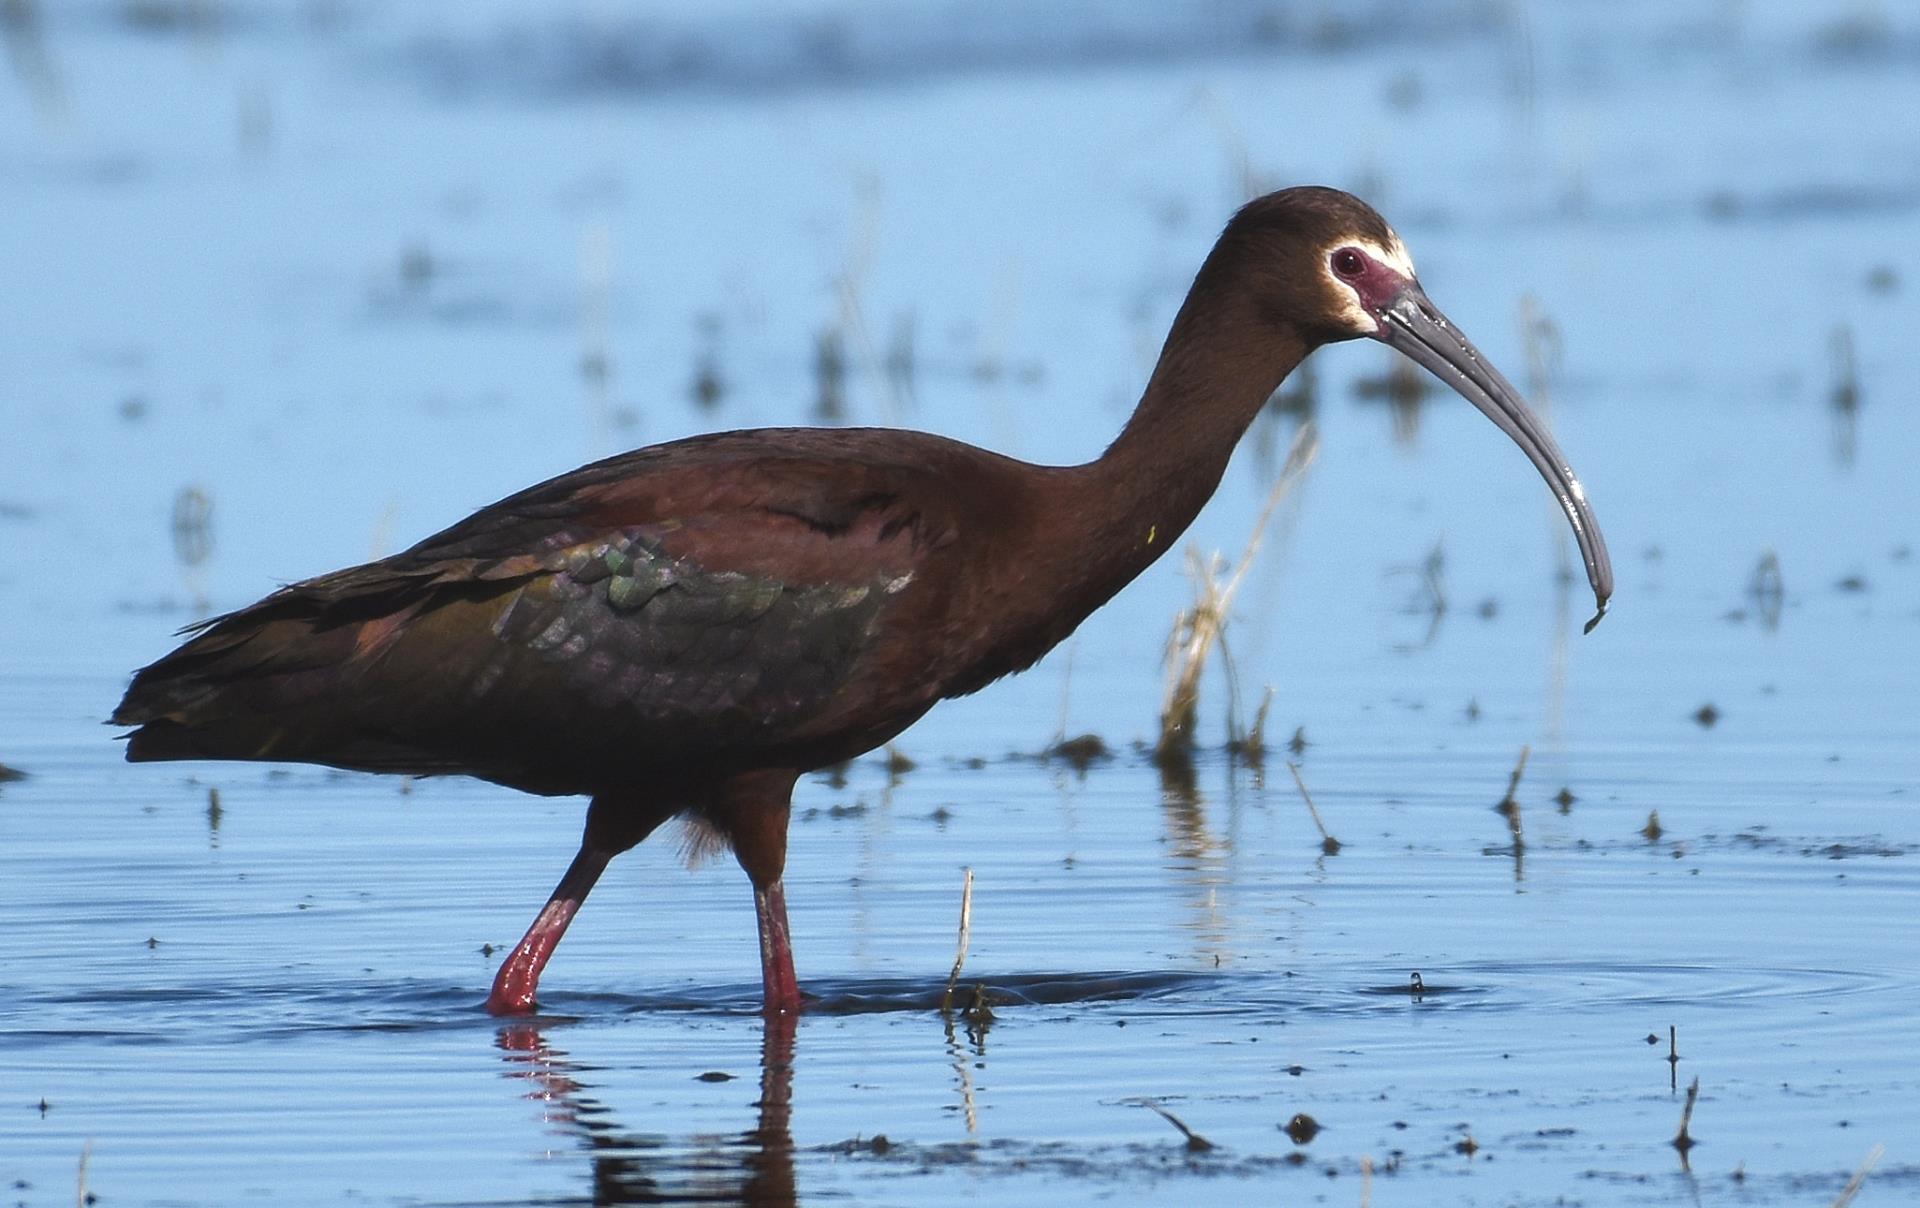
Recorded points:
(1349,263)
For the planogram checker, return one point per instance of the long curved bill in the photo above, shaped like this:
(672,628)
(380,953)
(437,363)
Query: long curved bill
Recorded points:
(1412,324)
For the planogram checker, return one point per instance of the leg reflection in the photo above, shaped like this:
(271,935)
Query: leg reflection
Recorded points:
(753,1167)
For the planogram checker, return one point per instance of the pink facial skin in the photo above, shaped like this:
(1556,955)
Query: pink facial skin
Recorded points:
(1376,284)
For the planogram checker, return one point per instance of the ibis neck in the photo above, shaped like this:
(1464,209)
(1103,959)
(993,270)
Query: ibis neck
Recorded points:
(1221,363)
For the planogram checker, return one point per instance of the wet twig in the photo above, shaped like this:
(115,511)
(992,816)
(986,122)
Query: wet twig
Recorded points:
(1683,1140)
(1195,1142)
(1509,808)
(1328,844)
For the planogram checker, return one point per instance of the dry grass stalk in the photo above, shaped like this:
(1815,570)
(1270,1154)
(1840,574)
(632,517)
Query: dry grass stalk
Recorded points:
(1431,600)
(1066,694)
(1859,1178)
(1541,335)
(1846,371)
(966,937)
(1845,397)
(1197,630)
(1509,807)
(886,374)
(1249,180)
(1519,770)
(1250,745)
(1767,589)
(596,328)
(830,377)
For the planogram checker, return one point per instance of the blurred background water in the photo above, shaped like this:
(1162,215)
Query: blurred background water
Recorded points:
(289,286)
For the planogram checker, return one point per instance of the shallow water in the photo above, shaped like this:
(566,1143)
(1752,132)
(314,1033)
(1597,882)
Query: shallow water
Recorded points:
(349,272)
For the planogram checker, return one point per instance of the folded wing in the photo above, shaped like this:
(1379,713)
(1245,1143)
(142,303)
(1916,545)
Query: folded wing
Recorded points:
(649,612)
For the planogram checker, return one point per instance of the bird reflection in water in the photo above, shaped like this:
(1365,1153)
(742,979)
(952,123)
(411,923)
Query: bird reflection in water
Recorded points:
(753,1167)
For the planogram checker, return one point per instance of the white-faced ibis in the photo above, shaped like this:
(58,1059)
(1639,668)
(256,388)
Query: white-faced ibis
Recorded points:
(685,629)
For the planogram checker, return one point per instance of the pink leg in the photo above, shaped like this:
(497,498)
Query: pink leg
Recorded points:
(776,952)
(519,976)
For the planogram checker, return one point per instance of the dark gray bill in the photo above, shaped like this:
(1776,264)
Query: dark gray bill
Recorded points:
(1412,324)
